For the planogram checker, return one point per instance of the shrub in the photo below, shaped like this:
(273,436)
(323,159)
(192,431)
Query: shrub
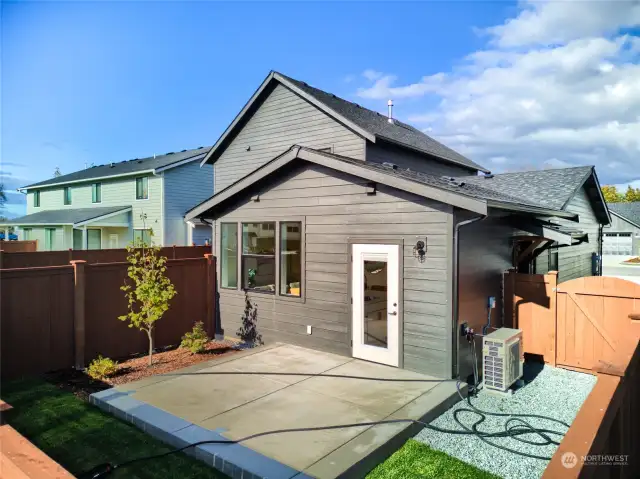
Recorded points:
(248,332)
(101,368)
(196,340)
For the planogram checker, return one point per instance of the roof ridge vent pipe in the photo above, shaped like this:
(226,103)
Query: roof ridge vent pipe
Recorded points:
(456,286)
(390,116)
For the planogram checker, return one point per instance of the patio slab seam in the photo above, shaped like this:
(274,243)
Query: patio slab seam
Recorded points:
(235,460)
(272,392)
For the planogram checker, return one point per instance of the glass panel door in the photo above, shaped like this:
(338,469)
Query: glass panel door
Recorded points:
(77,239)
(375,311)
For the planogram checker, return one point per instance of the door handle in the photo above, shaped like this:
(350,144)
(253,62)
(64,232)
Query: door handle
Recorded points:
(394,313)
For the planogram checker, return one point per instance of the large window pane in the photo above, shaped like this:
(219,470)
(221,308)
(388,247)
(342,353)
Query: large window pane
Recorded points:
(229,255)
(290,258)
(36,199)
(142,188)
(96,193)
(258,256)
(67,195)
(49,239)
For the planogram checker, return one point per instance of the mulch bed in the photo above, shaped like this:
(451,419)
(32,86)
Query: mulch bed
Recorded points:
(633,260)
(137,367)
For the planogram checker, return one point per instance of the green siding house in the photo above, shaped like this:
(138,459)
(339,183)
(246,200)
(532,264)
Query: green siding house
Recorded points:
(109,206)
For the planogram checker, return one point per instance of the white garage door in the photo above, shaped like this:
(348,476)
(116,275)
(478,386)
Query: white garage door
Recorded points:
(617,243)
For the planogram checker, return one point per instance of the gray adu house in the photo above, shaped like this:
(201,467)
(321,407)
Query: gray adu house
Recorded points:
(370,239)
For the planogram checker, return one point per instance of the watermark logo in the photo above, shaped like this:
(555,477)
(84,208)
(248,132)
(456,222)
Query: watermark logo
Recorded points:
(569,460)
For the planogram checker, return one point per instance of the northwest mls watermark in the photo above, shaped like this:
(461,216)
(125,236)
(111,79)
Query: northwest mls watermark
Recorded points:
(571,460)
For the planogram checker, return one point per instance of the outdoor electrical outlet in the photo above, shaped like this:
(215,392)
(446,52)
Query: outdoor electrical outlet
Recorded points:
(308,329)
(463,329)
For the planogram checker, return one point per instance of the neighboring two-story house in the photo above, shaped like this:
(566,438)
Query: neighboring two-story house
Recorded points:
(111,205)
(355,233)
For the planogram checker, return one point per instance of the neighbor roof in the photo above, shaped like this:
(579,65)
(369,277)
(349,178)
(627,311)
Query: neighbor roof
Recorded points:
(552,188)
(368,123)
(68,216)
(627,211)
(453,191)
(126,167)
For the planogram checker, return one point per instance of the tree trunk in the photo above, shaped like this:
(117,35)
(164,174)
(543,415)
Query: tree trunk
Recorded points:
(150,346)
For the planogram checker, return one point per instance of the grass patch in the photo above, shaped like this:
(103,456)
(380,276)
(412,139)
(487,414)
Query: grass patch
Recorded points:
(80,436)
(417,460)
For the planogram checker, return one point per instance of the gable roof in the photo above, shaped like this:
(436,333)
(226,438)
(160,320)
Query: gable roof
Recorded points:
(127,167)
(364,122)
(629,212)
(552,188)
(448,190)
(68,216)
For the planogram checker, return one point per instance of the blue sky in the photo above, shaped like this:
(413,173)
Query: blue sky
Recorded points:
(100,82)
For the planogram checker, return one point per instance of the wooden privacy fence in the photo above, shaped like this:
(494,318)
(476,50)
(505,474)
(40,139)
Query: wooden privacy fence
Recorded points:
(26,246)
(57,317)
(603,440)
(10,260)
(572,324)
(589,324)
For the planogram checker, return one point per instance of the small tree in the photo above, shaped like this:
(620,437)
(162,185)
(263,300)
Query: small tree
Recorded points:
(611,194)
(148,290)
(248,332)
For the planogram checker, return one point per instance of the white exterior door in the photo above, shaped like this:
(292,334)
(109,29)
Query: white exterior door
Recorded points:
(113,241)
(375,310)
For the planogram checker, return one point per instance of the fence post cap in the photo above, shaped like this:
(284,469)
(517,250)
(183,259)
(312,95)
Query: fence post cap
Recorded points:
(77,261)
(208,255)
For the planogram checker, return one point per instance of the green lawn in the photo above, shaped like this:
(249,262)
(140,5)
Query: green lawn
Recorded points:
(80,436)
(417,460)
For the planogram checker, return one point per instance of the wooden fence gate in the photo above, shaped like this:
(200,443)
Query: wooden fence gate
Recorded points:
(573,324)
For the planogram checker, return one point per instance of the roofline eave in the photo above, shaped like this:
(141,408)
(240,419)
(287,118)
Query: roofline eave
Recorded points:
(623,218)
(532,209)
(458,200)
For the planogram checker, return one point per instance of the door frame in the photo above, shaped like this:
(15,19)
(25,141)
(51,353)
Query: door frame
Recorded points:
(351,240)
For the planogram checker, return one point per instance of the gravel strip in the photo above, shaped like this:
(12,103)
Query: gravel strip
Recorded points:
(557,393)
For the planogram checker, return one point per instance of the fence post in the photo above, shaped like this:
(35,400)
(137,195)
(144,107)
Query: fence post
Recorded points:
(552,276)
(79,312)
(174,251)
(1,255)
(211,294)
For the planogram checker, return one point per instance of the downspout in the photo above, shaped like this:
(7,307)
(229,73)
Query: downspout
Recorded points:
(600,228)
(456,285)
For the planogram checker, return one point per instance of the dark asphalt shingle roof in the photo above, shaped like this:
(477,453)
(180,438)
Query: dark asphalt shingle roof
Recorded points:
(65,217)
(629,211)
(125,167)
(545,188)
(459,185)
(378,125)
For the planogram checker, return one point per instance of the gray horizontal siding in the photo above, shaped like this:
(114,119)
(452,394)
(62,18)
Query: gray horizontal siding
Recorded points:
(381,152)
(184,187)
(337,208)
(283,119)
(575,261)
(485,253)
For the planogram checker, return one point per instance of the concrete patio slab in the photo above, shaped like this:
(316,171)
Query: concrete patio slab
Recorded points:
(267,389)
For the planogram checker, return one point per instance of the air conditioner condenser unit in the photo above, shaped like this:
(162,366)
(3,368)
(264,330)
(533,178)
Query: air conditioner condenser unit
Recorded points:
(501,359)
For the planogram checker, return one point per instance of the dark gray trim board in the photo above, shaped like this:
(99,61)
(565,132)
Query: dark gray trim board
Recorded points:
(331,161)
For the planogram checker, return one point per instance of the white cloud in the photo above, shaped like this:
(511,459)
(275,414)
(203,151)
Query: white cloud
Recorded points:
(557,85)
(372,75)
